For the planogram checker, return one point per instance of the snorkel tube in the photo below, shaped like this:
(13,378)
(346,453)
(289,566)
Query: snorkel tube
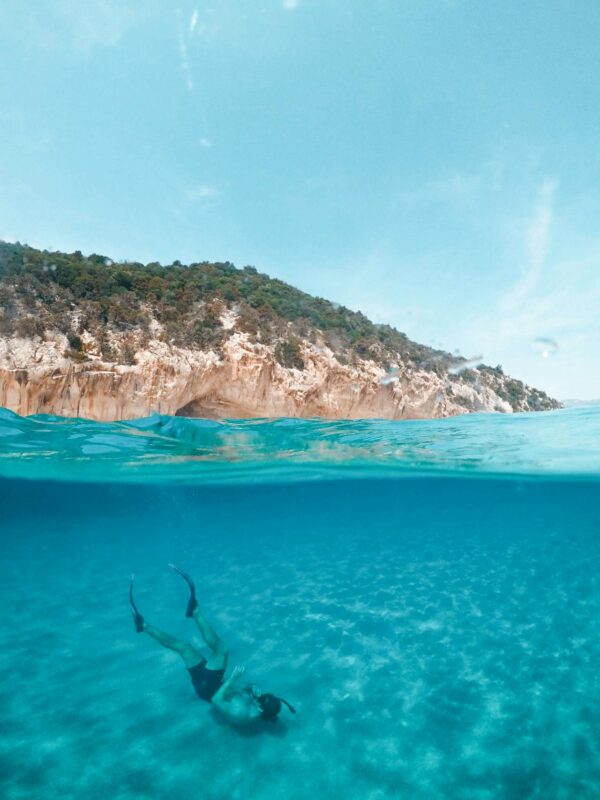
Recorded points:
(285,702)
(269,703)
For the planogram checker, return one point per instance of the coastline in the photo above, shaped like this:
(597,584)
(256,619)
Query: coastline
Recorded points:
(245,380)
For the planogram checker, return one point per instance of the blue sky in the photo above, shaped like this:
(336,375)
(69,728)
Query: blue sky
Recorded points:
(434,163)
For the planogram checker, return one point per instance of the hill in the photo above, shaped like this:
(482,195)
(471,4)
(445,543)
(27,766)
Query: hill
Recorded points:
(81,315)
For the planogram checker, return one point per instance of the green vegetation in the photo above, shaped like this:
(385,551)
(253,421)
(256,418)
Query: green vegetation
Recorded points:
(289,354)
(121,306)
(70,293)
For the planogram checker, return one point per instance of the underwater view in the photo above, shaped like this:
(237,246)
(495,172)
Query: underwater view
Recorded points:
(424,594)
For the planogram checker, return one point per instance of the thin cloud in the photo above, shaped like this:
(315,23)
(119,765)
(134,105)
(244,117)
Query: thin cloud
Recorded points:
(552,298)
(539,230)
(193,21)
(537,239)
(531,306)
(563,307)
(202,192)
(290,5)
(184,59)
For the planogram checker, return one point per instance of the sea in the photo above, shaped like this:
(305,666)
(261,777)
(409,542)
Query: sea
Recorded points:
(426,594)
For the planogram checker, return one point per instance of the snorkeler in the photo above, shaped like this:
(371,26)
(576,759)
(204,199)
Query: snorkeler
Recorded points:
(239,706)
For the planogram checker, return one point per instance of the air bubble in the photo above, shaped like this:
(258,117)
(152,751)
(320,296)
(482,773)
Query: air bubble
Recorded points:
(390,377)
(470,363)
(545,346)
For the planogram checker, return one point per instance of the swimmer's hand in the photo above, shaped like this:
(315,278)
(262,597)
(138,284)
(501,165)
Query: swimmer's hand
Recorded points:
(226,688)
(238,708)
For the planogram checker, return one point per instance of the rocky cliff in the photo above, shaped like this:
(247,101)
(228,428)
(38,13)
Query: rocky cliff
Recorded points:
(244,381)
(84,337)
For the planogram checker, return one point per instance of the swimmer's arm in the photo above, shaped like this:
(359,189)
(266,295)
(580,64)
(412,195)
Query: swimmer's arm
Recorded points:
(224,690)
(234,711)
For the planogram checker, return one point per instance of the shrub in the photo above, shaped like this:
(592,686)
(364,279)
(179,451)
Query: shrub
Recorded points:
(288,354)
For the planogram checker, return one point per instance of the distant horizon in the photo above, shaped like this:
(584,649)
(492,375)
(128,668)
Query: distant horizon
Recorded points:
(432,163)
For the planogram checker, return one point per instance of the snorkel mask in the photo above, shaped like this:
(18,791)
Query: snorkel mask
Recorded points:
(269,703)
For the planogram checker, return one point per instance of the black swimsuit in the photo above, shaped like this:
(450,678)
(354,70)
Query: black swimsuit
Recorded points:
(206,681)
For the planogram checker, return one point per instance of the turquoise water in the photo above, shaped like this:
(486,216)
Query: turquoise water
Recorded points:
(426,594)
(200,452)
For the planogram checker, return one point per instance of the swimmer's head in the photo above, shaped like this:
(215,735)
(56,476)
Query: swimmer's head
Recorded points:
(269,704)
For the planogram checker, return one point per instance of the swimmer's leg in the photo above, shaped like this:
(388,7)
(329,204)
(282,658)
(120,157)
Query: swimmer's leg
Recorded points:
(189,654)
(220,651)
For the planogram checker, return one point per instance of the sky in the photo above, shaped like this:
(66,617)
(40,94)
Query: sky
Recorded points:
(433,163)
